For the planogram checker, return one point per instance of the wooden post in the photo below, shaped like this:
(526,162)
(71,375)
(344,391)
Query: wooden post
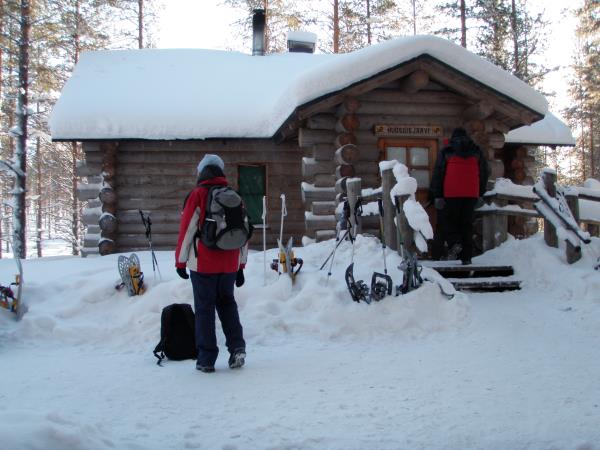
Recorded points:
(389,227)
(353,187)
(550,236)
(573,202)
(573,252)
(406,237)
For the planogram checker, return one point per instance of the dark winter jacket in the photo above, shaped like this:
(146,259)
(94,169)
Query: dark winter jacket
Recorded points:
(204,259)
(461,170)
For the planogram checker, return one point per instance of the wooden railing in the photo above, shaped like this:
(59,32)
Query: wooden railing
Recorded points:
(507,199)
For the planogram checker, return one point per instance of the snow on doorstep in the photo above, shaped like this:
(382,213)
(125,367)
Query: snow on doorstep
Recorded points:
(196,94)
(548,131)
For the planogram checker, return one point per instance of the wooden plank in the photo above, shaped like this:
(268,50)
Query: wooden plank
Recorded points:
(426,109)
(473,271)
(414,82)
(308,138)
(387,96)
(486,286)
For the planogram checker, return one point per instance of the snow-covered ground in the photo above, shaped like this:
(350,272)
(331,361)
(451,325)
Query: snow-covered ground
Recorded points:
(513,370)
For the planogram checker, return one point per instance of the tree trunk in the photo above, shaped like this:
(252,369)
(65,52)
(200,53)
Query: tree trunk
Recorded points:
(592,162)
(19,216)
(414,8)
(369,22)
(463,24)
(38,221)
(140,24)
(515,36)
(2,15)
(336,26)
(74,147)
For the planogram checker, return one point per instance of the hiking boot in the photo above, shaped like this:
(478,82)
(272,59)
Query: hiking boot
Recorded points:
(237,359)
(454,252)
(205,369)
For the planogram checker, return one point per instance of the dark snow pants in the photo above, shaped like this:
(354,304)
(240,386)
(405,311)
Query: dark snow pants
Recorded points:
(459,215)
(215,292)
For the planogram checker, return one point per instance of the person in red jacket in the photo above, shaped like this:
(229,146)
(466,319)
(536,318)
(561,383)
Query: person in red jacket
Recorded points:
(459,180)
(213,274)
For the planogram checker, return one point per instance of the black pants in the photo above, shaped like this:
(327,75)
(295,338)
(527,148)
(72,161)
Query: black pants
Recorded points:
(215,292)
(459,215)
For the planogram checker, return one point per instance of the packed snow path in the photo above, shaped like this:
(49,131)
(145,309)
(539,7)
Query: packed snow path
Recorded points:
(491,371)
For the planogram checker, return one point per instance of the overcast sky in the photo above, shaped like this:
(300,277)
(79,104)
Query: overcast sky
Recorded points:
(205,24)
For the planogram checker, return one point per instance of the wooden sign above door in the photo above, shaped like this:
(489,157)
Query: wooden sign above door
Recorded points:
(408,130)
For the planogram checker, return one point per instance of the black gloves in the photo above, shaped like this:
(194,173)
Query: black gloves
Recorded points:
(182,273)
(239,278)
(439,203)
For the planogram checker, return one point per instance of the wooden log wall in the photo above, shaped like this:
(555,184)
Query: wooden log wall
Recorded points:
(520,167)
(342,142)
(156,176)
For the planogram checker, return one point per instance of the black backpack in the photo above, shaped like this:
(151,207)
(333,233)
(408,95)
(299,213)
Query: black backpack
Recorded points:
(226,225)
(177,333)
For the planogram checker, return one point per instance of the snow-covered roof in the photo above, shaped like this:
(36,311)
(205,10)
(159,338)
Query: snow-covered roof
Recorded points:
(196,94)
(549,131)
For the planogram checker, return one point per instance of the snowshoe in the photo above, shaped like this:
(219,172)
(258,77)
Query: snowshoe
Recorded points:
(358,289)
(8,299)
(287,262)
(131,275)
(381,286)
(411,279)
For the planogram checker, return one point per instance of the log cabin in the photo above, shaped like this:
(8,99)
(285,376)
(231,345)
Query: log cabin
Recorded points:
(293,123)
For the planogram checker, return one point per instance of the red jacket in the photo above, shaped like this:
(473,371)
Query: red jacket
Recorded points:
(192,217)
(462,177)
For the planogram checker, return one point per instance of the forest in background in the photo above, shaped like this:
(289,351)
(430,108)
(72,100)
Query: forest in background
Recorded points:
(41,40)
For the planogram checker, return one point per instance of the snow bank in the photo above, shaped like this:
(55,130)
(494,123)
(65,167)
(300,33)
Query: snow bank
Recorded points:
(82,307)
(196,94)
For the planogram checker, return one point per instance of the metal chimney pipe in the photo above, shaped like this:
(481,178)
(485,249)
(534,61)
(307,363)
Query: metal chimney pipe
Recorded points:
(258,32)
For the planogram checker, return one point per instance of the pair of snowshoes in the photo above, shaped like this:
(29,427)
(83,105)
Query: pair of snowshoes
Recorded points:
(131,275)
(8,299)
(287,261)
(381,286)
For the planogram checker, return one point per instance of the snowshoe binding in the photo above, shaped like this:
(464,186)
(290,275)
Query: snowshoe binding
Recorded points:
(131,275)
(381,286)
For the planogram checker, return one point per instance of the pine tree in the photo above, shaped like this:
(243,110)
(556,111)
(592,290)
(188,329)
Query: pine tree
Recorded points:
(458,11)
(585,89)
(491,39)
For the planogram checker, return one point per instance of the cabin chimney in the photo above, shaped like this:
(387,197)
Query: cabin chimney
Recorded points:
(258,32)
(301,42)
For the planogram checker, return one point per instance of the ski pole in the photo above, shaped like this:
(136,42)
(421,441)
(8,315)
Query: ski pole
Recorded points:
(345,215)
(148,226)
(283,214)
(264,233)
(381,212)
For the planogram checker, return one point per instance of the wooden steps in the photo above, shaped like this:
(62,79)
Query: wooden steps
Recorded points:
(477,278)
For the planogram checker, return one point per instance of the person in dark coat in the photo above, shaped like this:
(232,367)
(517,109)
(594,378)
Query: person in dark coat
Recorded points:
(459,181)
(213,274)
